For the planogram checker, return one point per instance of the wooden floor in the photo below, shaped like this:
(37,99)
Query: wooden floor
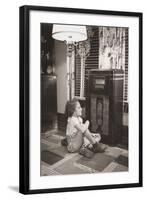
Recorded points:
(55,159)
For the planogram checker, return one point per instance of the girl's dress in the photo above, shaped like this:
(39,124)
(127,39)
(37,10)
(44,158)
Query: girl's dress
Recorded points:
(75,138)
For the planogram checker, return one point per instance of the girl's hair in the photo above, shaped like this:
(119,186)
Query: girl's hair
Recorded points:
(70,107)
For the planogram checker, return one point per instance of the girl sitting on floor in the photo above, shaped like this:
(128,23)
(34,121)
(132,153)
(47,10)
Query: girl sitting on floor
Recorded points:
(79,138)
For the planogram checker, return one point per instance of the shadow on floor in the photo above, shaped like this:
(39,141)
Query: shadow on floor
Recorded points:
(14,188)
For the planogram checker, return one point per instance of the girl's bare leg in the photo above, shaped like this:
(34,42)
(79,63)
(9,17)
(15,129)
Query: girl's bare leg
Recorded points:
(88,135)
(96,147)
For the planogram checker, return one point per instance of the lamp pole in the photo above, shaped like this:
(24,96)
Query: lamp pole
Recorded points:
(70,49)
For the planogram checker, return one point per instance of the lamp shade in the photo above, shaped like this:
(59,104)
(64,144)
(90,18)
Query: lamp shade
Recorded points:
(69,33)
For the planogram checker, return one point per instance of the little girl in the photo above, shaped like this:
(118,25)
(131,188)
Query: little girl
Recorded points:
(77,132)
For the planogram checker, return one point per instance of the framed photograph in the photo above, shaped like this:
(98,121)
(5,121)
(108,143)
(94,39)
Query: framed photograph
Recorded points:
(80,99)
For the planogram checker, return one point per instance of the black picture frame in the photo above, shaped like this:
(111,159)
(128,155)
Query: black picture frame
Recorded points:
(24,148)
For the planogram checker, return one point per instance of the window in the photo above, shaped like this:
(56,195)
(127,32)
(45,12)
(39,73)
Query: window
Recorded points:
(108,50)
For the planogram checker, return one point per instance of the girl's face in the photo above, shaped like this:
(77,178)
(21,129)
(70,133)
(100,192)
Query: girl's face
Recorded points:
(78,110)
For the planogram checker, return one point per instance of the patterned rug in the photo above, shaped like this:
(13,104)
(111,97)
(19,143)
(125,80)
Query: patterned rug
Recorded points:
(50,157)
(56,159)
(99,162)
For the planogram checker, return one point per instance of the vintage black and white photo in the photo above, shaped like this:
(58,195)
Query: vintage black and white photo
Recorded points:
(84,96)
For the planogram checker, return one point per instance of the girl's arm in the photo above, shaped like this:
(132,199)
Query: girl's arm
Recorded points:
(82,127)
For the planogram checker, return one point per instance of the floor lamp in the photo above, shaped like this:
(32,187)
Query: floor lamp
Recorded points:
(71,35)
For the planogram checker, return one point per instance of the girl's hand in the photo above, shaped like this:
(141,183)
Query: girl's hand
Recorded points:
(82,127)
